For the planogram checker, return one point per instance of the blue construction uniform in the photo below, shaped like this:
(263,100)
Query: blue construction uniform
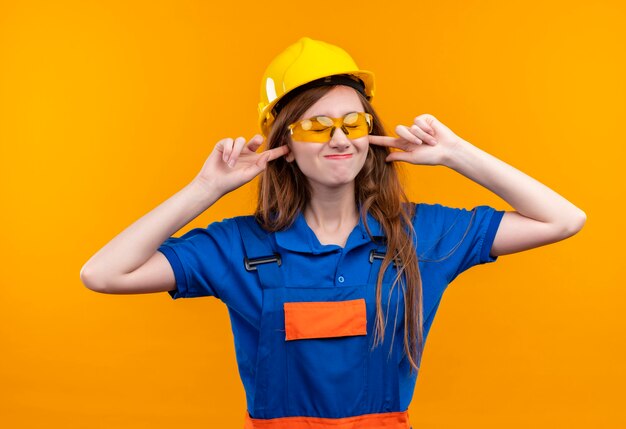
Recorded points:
(334,377)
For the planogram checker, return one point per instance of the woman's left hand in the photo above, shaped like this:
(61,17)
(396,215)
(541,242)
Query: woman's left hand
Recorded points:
(426,142)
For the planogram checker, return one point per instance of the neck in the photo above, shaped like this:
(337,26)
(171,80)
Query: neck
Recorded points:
(332,210)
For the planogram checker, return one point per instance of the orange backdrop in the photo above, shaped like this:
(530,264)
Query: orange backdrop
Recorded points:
(108,108)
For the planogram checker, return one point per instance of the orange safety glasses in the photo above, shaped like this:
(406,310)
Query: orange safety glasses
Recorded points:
(320,129)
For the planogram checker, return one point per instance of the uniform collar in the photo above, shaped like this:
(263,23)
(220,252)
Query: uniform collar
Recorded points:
(299,237)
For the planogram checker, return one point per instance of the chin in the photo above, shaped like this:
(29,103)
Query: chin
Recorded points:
(339,182)
(332,182)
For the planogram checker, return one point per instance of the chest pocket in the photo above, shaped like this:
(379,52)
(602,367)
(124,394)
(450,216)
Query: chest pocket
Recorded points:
(325,319)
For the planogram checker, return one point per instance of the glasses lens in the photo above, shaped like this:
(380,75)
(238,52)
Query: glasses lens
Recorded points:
(325,121)
(319,128)
(357,124)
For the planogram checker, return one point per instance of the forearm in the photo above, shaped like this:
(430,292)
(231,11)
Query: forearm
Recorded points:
(527,195)
(137,243)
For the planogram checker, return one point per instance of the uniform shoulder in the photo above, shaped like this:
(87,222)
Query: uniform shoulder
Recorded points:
(236,223)
(423,209)
(231,222)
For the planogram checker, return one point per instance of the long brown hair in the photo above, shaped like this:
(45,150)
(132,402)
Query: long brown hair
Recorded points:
(284,192)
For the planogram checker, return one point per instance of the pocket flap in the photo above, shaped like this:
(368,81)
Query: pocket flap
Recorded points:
(325,319)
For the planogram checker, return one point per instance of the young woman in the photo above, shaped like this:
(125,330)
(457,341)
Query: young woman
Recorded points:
(332,285)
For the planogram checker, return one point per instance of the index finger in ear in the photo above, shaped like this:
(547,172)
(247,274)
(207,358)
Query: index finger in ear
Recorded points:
(277,152)
(384,140)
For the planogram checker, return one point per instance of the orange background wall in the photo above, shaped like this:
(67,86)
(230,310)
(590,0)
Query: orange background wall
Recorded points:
(108,108)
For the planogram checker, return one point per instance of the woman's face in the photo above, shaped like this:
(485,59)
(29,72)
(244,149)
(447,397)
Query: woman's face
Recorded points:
(338,161)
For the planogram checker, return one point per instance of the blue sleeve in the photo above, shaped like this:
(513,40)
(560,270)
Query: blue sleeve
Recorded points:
(200,259)
(457,237)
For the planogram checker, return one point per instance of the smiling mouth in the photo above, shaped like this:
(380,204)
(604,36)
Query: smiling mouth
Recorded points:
(344,156)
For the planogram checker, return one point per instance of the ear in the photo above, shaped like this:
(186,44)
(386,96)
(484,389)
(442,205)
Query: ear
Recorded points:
(289,157)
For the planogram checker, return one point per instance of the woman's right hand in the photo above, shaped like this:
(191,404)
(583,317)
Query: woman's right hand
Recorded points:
(233,163)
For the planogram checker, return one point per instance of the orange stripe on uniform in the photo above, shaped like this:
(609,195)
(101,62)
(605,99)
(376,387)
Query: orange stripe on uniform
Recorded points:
(395,420)
(325,319)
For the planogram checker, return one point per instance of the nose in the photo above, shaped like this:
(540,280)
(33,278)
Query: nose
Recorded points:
(338,139)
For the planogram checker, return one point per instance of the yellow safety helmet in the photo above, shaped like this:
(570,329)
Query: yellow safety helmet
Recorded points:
(311,62)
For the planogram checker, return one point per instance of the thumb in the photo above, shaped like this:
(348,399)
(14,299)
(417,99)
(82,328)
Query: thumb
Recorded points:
(399,156)
(255,169)
(261,163)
